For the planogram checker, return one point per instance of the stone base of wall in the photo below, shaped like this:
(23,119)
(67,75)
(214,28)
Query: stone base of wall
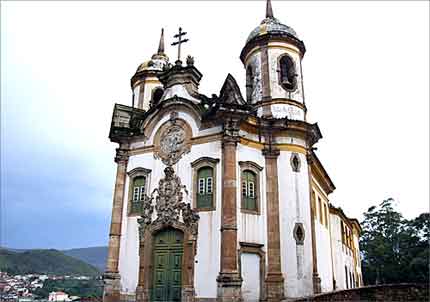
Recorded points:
(376,293)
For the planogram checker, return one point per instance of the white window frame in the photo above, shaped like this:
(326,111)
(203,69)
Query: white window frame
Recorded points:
(135,194)
(251,189)
(209,185)
(202,186)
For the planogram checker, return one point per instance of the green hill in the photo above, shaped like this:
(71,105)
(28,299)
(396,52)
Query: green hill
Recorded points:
(44,262)
(95,256)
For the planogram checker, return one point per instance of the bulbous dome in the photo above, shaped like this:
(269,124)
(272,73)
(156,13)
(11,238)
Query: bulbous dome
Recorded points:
(156,63)
(271,25)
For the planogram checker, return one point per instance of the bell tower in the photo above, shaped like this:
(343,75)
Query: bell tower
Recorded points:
(145,84)
(272,59)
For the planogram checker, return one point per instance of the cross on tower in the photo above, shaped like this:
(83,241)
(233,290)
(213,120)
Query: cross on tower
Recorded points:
(179,42)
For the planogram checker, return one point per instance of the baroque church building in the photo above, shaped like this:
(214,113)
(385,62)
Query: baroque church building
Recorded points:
(223,198)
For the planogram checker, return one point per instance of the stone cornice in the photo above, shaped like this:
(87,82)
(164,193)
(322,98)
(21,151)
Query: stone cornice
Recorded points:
(269,37)
(351,221)
(320,173)
(121,156)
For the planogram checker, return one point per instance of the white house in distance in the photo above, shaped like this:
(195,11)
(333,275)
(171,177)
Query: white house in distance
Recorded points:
(58,296)
(223,198)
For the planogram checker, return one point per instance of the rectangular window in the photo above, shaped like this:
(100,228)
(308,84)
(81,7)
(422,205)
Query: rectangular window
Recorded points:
(346,277)
(136,194)
(320,210)
(251,190)
(325,215)
(201,186)
(209,185)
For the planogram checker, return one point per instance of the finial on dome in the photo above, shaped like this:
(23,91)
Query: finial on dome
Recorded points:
(161,45)
(269,11)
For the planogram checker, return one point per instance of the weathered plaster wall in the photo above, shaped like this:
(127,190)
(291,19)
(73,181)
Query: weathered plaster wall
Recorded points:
(294,207)
(251,277)
(251,227)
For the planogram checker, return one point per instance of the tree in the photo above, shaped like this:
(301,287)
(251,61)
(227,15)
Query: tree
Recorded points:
(394,249)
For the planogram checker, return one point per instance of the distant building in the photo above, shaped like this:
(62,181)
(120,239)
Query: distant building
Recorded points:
(223,198)
(58,296)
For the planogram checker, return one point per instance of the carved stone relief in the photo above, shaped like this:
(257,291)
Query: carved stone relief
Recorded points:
(172,141)
(170,209)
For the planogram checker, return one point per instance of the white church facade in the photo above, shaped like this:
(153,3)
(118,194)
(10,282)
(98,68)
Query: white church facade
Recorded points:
(223,198)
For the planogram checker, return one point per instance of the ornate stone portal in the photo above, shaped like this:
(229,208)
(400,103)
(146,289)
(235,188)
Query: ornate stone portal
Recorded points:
(169,210)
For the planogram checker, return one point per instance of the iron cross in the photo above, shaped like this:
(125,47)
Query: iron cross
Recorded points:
(179,42)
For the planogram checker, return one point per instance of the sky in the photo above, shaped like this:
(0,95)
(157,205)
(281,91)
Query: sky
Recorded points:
(65,64)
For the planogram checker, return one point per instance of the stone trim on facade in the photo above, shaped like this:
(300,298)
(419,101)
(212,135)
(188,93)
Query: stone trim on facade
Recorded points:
(111,277)
(274,278)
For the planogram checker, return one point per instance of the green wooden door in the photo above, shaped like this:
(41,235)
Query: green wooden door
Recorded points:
(167,272)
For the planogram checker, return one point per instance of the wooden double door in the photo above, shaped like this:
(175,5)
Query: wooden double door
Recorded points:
(167,266)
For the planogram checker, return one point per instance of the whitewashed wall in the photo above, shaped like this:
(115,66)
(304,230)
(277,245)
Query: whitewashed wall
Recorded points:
(341,257)
(251,277)
(251,228)
(294,207)
(324,256)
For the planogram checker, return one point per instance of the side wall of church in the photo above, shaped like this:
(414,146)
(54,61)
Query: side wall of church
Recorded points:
(294,208)
(342,256)
(323,239)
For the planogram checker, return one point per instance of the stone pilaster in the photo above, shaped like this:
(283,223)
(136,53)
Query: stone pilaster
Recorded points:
(229,281)
(111,277)
(316,280)
(265,81)
(274,278)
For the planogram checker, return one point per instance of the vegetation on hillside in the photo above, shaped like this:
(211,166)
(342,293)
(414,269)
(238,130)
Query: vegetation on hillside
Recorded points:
(81,288)
(43,262)
(394,249)
(95,256)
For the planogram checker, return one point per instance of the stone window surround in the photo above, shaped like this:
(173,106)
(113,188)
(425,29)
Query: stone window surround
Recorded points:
(136,172)
(295,156)
(298,240)
(295,86)
(196,165)
(255,168)
(254,248)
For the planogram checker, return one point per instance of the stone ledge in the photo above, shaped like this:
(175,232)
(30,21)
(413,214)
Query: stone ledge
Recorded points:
(375,293)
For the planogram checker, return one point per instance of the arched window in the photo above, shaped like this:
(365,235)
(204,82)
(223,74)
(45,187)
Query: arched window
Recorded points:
(139,187)
(249,195)
(157,93)
(249,84)
(287,72)
(205,187)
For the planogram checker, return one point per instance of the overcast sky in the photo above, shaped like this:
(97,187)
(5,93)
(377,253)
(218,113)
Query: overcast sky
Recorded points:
(65,64)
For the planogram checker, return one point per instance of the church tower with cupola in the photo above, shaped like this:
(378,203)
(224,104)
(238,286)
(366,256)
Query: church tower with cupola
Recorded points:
(223,198)
(145,84)
(272,59)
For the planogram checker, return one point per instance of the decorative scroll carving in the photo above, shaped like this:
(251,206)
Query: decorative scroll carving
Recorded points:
(173,142)
(169,206)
